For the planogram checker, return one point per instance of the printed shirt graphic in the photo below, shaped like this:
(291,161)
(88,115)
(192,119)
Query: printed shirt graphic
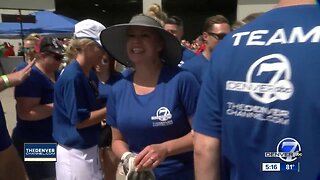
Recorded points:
(264,87)
(156,117)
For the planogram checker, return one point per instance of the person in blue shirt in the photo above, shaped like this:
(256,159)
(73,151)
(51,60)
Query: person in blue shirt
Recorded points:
(215,28)
(78,109)
(174,25)
(11,166)
(151,108)
(258,109)
(34,104)
(107,76)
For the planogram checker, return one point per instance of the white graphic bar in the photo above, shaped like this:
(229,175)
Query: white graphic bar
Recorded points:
(40,159)
(271,167)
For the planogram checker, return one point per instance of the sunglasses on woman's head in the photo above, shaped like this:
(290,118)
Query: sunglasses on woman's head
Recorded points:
(29,49)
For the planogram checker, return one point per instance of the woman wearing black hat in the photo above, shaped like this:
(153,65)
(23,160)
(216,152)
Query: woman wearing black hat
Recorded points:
(151,108)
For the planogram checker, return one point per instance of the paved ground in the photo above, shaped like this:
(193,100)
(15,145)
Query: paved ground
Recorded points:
(8,104)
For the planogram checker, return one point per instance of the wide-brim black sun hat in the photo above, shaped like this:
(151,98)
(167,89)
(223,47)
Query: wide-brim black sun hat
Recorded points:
(114,41)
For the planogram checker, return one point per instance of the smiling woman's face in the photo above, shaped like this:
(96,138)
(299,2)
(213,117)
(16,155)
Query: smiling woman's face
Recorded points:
(143,44)
(28,49)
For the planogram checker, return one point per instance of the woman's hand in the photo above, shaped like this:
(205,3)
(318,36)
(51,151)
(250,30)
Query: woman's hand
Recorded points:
(19,76)
(151,156)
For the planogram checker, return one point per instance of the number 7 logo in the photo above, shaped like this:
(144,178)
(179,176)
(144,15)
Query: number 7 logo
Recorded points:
(289,149)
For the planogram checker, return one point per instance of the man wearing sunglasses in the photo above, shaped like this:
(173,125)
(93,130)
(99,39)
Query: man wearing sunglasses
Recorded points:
(34,105)
(258,110)
(214,30)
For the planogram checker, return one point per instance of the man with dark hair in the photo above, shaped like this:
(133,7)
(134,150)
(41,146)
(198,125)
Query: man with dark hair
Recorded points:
(174,25)
(258,110)
(214,30)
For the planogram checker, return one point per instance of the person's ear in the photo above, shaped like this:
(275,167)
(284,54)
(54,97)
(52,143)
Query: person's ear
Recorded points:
(205,36)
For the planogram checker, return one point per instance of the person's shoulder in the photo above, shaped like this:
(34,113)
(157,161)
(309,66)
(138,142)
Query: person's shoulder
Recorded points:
(20,66)
(36,73)
(72,70)
(121,81)
(196,60)
(117,75)
(127,72)
(187,51)
(177,73)
(114,77)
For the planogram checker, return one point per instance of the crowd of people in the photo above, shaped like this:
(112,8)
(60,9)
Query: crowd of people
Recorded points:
(211,109)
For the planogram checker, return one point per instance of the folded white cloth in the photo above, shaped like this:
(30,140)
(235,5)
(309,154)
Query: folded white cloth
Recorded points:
(128,168)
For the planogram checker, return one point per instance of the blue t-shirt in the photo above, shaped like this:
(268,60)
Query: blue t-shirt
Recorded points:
(197,66)
(157,117)
(21,66)
(37,85)
(187,54)
(5,140)
(105,87)
(262,87)
(75,97)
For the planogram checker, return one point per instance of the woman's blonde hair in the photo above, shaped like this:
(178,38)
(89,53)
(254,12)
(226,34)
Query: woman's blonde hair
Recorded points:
(75,46)
(33,37)
(156,12)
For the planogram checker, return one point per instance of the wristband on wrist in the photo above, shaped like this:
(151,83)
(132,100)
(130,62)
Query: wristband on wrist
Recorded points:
(124,155)
(5,80)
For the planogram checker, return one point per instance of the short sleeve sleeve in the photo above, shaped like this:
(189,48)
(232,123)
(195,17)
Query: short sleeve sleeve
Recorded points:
(189,90)
(111,110)
(207,118)
(76,103)
(31,87)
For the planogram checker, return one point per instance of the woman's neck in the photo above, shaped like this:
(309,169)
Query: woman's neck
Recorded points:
(147,75)
(48,72)
(85,66)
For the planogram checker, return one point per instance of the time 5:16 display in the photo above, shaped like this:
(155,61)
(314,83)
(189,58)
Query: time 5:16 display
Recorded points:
(270,166)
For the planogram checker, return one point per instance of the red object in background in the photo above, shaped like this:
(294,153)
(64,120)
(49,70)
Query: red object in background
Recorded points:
(9,51)
(201,48)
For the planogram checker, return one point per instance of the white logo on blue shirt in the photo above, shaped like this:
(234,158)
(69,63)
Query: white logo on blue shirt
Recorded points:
(288,150)
(164,116)
(277,68)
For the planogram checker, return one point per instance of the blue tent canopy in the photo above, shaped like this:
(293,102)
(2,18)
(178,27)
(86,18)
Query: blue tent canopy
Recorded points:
(47,23)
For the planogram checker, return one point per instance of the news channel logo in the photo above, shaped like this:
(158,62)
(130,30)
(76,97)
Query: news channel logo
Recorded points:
(288,150)
(40,152)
